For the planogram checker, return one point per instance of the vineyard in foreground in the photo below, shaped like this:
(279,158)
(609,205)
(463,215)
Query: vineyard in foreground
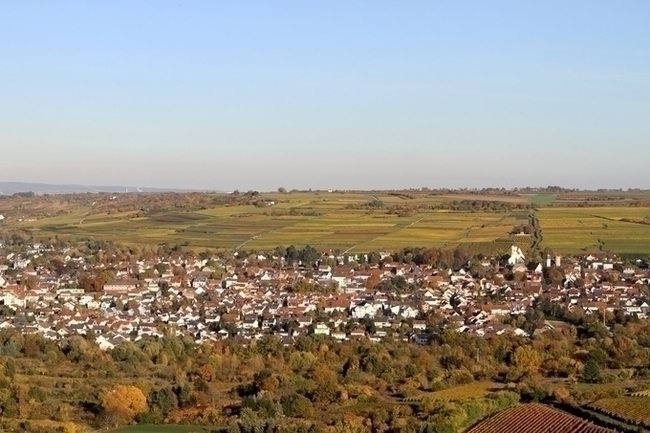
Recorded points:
(632,410)
(536,418)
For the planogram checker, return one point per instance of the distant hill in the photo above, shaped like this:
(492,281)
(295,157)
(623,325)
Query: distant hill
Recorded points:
(8,188)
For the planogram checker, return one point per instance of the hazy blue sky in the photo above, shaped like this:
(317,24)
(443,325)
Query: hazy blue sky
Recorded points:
(349,94)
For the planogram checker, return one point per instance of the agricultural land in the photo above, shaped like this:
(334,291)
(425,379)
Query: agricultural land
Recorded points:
(141,313)
(350,222)
(536,418)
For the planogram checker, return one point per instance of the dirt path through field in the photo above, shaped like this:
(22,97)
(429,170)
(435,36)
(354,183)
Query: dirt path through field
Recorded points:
(389,233)
(240,246)
(87,213)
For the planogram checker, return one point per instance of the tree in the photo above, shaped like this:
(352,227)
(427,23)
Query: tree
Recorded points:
(10,368)
(31,282)
(295,405)
(373,280)
(161,268)
(554,275)
(562,395)
(613,276)
(461,257)
(591,372)
(165,399)
(206,372)
(105,277)
(124,403)
(185,395)
(527,359)
(326,384)
(282,190)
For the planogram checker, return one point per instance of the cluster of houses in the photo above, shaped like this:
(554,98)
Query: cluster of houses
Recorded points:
(211,299)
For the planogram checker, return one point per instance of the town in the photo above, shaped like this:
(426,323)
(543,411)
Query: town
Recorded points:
(59,291)
(322,217)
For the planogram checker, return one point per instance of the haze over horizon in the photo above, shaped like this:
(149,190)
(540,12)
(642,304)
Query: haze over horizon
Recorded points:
(325,95)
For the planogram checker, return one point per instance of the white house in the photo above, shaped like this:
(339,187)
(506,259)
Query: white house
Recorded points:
(11,299)
(419,325)
(365,310)
(321,329)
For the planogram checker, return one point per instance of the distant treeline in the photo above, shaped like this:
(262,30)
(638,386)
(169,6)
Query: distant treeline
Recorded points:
(600,202)
(292,212)
(454,205)
(474,191)
(154,205)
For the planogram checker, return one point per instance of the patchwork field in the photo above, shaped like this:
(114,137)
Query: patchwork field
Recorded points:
(346,221)
(354,231)
(338,221)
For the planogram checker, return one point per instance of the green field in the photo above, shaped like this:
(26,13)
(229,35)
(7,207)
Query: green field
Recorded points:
(541,199)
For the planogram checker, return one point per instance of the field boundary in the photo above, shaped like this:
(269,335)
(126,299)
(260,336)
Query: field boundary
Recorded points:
(388,234)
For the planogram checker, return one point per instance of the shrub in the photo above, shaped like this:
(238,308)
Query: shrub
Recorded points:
(295,405)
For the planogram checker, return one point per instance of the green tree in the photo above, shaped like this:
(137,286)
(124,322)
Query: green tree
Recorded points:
(161,268)
(164,399)
(186,395)
(591,371)
(295,405)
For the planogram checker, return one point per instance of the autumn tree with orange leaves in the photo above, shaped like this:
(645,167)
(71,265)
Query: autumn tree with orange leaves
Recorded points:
(123,404)
(373,280)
